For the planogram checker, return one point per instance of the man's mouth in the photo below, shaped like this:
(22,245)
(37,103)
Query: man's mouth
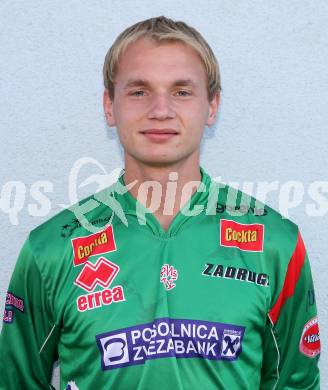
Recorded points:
(159,135)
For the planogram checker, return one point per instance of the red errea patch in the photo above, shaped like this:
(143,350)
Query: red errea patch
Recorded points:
(94,244)
(310,339)
(102,273)
(246,237)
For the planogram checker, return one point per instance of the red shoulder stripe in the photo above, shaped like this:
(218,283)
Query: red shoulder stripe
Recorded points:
(293,273)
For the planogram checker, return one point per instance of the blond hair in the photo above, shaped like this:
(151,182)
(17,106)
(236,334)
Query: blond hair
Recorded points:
(162,29)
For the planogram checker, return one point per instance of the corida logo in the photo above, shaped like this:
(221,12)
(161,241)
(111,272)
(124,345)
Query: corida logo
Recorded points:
(93,244)
(310,339)
(12,302)
(168,276)
(246,237)
(166,337)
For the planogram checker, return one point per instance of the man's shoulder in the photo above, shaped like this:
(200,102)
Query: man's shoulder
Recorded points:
(83,217)
(245,209)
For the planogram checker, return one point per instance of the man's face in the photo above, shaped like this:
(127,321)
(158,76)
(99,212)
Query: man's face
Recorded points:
(160,105)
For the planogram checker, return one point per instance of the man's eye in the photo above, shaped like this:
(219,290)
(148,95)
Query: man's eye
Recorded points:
(138,93)
(183,93)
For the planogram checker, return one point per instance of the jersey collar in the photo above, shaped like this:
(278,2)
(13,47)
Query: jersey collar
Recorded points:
(189,212)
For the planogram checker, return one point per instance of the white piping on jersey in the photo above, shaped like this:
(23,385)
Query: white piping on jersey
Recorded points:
(47,338)
(278,361)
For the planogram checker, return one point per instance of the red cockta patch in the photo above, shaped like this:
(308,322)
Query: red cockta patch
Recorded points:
(94,244)
(310,339)
(246,237)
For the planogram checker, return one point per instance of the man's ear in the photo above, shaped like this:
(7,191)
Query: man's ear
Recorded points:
(108,108)
(214,105)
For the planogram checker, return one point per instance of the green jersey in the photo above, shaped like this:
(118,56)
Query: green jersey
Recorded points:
(223,299)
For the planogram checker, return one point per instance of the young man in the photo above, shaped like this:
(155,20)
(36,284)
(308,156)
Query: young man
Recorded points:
(188,288)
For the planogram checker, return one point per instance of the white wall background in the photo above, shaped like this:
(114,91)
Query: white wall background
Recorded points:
(272,126)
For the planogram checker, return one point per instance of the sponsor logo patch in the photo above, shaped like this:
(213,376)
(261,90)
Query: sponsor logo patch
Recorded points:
(166,337)
(246,237)
(8,316)
(93,244)
(102,273)
(168,276)
(310,339)
(12,302)
(100,298)
(229,272)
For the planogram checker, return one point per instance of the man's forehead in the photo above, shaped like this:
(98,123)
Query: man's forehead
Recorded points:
(148,51)
(151,43)
(141,65)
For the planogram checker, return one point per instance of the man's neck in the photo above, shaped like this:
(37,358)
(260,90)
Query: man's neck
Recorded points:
(171,189)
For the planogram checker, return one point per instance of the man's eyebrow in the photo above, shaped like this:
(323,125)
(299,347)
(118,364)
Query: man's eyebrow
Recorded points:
(136,83)
(184,83)
(144,83)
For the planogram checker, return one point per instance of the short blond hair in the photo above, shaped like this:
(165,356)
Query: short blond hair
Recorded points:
(162,29)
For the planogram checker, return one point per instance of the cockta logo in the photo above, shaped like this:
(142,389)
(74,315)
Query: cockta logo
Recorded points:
(246,237)
(94,244)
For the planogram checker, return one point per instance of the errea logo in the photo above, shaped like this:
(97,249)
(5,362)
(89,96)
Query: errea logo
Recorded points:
(102,273)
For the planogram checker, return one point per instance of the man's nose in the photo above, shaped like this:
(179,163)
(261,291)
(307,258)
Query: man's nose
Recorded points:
(161,107)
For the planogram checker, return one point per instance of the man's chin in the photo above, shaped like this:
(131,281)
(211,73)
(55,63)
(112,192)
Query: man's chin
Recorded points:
(160,162)
(157,161)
